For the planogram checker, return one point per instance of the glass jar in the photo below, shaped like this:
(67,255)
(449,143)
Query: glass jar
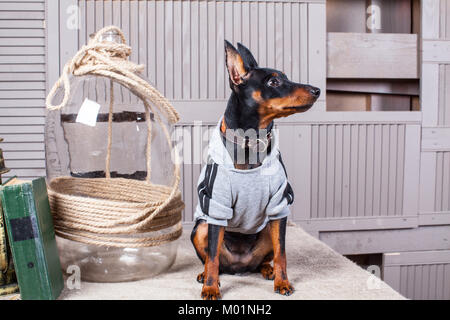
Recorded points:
(117,140)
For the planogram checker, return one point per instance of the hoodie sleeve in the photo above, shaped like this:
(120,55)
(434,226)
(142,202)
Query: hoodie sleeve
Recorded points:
(214,195)
(281,195)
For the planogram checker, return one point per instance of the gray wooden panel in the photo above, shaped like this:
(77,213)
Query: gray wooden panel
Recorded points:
(442,186)
(387,56)
(181,42)
(365,159)
(395,240)
(435,97)
(22,86)
(419,275)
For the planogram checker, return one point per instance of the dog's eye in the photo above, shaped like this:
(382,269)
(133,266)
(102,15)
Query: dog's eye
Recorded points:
(274,82)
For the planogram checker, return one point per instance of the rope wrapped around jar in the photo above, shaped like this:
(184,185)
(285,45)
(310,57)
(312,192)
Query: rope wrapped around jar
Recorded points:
(116,211)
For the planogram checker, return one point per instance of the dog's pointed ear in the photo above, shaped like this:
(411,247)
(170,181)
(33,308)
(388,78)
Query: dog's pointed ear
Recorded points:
(235,64)
(247,57)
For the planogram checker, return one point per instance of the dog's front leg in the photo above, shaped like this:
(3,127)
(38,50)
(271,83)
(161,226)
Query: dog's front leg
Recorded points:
(278,235)
(210,290)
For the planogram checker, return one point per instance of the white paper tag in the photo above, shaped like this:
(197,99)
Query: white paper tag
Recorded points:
(88,113)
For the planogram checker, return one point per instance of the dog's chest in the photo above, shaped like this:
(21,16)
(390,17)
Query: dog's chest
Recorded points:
(251,192)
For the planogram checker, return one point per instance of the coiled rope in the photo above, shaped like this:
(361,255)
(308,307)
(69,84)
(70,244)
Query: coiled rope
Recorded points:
(116,212)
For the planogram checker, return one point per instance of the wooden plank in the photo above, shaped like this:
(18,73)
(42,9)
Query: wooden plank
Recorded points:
(317,49)
(22,33)
(22,138)
(168,49)
(21,68)
(430,257)
(338,164)
(30,112)
(444,103)
(221,82)
(26,146)
(178,51)
(18,155)
(21,103)
(188,174)
(14,59)
(211,60)
(439,181)
(400,169)
(430,94)
(22,120)
(303,165)
(322,181)
(18,24)
(377,170)
(26,164)
(370,147)
(195,54)
(203,50)
(151,42)
(21,129)
(376,241)
(23,75)
(436,51)
(412,169)
(328,197)
(271,34)
(391,275)
(22,42)
(314,171)
(359,223)
(23,173)
(15,50)
(362,167)
(430,19)
(435,139)
(354,142)
(427,182)
(446,182)
(22,94)
(392,165)
(359,55)
(346,170)
(11,6)
(22,15)
(21,85)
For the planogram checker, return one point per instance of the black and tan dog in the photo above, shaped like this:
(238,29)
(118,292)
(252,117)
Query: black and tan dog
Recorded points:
(259,95)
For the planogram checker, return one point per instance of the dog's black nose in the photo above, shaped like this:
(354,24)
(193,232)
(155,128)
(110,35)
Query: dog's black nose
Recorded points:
(315,91)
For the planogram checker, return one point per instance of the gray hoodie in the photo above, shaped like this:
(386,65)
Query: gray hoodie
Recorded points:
(242,200)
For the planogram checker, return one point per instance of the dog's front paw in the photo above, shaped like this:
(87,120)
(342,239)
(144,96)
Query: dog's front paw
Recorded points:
(201,277)
(267,272)
(211,292)
(283,287)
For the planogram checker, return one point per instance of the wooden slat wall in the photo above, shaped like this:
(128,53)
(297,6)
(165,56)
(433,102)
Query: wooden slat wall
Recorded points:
(442,191)
(22,86)
(357,170)
(435,97)
(182,42)
(421,275)
(444,19)
(444,95)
